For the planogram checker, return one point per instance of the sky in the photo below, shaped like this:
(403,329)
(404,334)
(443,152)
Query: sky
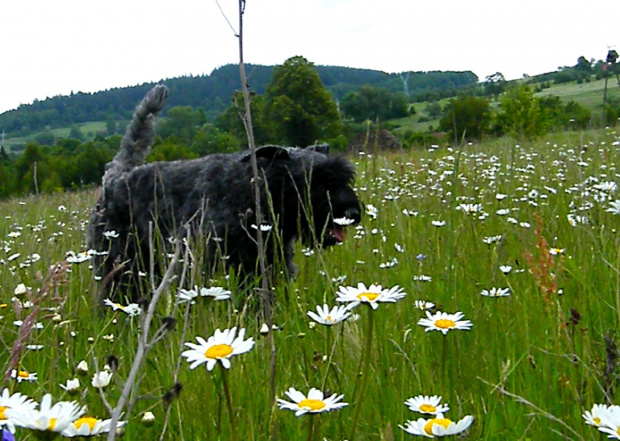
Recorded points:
(50,48)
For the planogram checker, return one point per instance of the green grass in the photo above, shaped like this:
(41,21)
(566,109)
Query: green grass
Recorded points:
(524,344)
(89,130)
(587,94)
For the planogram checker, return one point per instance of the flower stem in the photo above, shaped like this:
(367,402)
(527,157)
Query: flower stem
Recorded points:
(365,374)
(310,427)
(231,415)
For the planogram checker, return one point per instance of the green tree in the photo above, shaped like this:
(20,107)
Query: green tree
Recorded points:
(522,116)
(371,103)
(210,139)
(495,84)
(298,107)
(183,123)
(467,117)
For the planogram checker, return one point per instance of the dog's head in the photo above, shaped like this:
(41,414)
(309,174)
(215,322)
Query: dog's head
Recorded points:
(317,188)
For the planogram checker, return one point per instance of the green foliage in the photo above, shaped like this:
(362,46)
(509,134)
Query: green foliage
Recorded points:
(467,117)
(183,123)
(522,116)
(301,111)
(210,139)
(370,103)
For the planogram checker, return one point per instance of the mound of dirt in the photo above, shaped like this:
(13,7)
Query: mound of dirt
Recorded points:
(372,142)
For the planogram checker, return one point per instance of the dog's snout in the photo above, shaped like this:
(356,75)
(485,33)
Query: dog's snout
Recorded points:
(353,213)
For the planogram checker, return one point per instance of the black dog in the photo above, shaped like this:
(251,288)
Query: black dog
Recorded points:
(306,193)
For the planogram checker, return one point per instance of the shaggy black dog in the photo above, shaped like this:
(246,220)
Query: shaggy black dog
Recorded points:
(305,194)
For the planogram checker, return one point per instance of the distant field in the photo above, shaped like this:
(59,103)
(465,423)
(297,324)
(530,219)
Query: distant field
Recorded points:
(89,130)
(586,94)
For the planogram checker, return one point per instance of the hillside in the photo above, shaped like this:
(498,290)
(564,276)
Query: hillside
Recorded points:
(212,92)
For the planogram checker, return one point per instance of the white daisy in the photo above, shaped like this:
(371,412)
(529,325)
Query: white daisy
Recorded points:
(329,317)
(427,404)
(344,221)
(373,295)
(132,309)
(496,292)
(23,375)
(423,305)
(89,426)
(614,207)
(610,421)
(215,292)
(438,223)
(593,417)
(47,418)
(72,386)
(221,346)
(505,269)
(110,234)
(101,379)
(15,401)
(315,402)
(444,322)
(438,426)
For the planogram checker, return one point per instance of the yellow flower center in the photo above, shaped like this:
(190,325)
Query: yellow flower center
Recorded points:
(90,421)
(445,323)
(23,374)
(52,424)
(311,404)
(218,351)
(2,409)
(369,296)
(428,427)
(428,408)
(597,421)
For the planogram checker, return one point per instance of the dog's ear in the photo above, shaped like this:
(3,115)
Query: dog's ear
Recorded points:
(270,152)
(320,148)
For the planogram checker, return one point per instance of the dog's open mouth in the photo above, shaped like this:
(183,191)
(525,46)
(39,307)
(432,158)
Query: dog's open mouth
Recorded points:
(337,233)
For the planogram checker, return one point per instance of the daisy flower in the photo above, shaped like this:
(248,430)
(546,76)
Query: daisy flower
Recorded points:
(438,426)
(216,293)
(444,322)
(496,292)
(344,221)
(101,379)
(505,269)
(315,402)
(15,401)
(427,404)
(328,317)
(593,417)
(221,346)
(424,305)
(48,418)
(373,295)
(23,375)
(610,421)
(72,386)
(132,309)
(89,426)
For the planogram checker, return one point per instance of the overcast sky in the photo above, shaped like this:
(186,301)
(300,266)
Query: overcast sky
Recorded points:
(51,48)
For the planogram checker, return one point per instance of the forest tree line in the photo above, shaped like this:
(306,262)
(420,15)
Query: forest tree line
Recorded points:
(297,109)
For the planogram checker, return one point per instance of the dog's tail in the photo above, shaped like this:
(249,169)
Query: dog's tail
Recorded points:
(138,139)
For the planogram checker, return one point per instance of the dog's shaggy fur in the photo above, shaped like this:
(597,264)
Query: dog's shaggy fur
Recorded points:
(303,191)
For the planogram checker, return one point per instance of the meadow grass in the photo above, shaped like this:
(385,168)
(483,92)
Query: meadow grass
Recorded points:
(530,366)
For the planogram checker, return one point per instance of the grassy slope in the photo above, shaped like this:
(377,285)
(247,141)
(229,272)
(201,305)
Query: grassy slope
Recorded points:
(587,94)
(524,344)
